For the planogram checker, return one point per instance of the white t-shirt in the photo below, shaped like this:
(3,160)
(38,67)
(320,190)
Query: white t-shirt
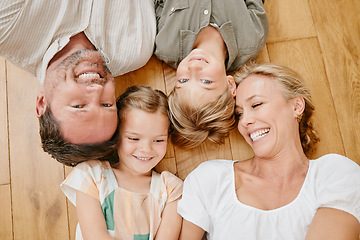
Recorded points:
(33,31)
(209,200)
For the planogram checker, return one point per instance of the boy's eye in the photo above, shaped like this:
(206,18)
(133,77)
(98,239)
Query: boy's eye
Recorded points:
(183,80)
(78,106)
(206,81)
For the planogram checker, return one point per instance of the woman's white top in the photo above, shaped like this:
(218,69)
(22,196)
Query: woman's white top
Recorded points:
(209,200)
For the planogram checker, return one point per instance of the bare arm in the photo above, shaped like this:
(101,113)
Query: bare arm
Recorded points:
(333,224)
(91,218)
(170,225)
(191,231)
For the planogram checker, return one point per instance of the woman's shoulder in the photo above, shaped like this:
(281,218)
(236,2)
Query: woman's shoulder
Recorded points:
(212,171)
(335,161)
(215,165)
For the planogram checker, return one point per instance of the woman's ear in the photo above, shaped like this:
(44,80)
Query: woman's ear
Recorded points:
(299,106)
(232,85)
(41,104)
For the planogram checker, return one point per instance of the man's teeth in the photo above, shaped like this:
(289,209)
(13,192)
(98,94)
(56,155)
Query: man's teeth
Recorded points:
(89,75)
(259,134)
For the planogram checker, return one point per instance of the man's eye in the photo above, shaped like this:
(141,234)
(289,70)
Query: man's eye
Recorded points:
(107,105)
(206,81)
(183,80)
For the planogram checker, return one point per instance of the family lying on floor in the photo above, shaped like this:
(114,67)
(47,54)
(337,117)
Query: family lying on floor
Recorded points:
(114,145)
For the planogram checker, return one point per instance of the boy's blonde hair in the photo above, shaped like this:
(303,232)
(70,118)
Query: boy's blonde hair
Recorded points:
(192,125)
(293,86)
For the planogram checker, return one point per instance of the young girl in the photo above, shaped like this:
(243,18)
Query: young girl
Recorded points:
(128,200)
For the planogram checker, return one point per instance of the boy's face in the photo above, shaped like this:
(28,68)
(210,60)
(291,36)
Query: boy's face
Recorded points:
(202,78)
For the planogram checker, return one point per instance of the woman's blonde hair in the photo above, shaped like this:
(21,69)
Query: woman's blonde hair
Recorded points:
(142,98)
(293,86)
(192,124)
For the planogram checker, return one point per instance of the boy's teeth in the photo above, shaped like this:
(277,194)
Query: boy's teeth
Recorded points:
(259,134)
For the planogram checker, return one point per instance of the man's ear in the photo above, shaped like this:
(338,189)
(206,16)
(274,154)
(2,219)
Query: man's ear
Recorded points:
(232,85)
(41,104)
(299,106)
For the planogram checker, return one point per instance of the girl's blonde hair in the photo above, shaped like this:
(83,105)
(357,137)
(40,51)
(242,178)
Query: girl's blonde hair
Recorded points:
(293,86)
(142,98)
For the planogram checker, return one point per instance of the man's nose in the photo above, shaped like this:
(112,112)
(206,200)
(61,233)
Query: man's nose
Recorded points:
(94,87)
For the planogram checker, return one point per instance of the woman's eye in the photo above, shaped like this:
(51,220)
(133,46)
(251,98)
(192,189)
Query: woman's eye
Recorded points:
(206,81)
(256,105)
(183,80)
(238,114)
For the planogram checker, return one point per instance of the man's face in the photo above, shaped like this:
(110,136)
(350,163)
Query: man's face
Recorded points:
(81,94)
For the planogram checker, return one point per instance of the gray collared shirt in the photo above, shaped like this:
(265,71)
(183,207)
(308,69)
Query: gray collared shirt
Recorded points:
(242,24)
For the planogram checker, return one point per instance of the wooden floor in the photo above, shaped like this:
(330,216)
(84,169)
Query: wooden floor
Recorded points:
(320,39)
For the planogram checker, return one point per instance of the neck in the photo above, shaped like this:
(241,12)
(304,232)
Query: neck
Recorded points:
(210,40)
(279,167)
(76,43)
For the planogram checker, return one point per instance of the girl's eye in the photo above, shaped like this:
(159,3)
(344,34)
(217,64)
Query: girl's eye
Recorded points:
(206,81)
(133,139)
(183,80)
(159,140)
(107,105)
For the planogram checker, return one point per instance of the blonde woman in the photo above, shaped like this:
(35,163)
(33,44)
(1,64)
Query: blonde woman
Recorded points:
(279,193)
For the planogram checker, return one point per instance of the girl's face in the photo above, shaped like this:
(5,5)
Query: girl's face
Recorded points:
(142,140)
(267,120)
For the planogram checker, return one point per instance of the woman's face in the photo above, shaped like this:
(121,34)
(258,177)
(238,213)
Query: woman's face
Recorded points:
(267,120)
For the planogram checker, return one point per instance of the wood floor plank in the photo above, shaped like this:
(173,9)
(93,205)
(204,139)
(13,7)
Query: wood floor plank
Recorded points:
(289,20)
(71,211)
(304,56)
(188,159)
(338,27)
(5,212)
(4,153)
(39,207)
(150,75)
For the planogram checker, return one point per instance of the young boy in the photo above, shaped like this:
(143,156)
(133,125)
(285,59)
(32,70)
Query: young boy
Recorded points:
(204,40)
